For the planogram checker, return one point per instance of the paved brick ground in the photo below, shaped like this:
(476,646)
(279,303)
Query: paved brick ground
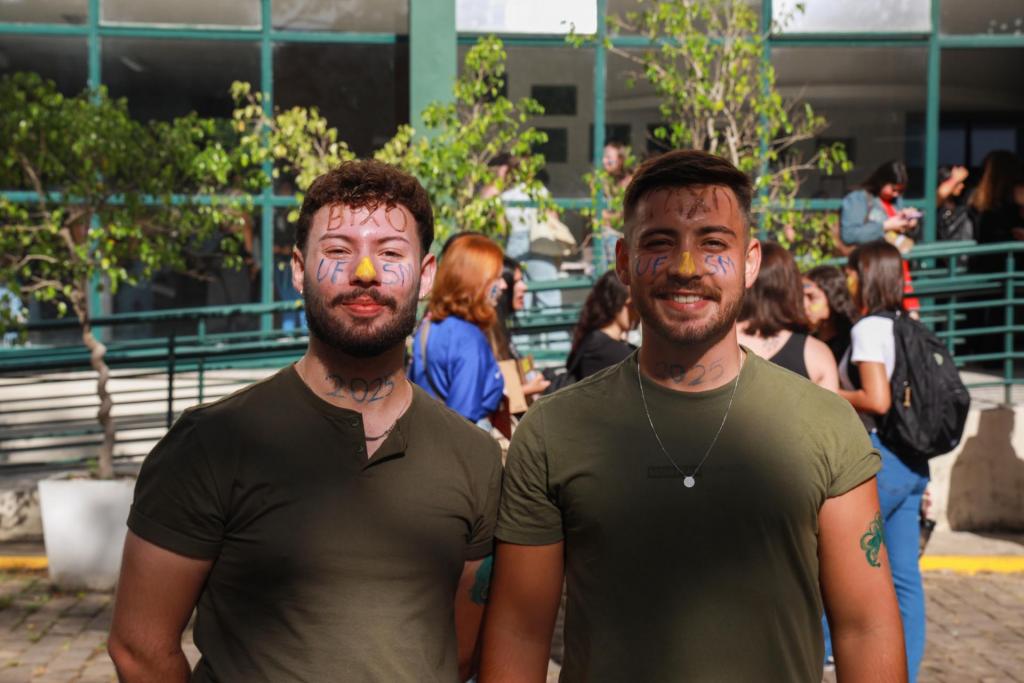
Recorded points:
(976,631)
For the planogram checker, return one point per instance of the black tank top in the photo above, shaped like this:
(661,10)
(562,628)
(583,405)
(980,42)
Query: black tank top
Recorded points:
(791,355)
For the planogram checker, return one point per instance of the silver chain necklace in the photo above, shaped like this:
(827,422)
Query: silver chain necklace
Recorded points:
(689,480)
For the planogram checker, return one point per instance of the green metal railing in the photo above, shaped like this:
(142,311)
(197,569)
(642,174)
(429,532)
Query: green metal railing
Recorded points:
(969,302)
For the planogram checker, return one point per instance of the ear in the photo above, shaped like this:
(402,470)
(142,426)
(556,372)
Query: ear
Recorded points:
(622,261)
(428,268)
(298,270)
(752,262)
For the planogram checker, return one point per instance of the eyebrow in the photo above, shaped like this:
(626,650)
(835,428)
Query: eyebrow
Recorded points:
(334,235)
(716,229)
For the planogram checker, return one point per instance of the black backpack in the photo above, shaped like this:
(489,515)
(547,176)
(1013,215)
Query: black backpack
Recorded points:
(929,400)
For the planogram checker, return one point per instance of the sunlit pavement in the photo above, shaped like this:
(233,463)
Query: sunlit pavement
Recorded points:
(975,630)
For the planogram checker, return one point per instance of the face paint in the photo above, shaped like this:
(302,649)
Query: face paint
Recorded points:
(853,283)
(365,270)
(818,307)
(687,266)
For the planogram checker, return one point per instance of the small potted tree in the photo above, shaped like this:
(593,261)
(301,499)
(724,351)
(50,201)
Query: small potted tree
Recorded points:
(115,200)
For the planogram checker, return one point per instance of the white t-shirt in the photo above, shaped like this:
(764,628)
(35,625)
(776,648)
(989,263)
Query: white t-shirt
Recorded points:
(871,340)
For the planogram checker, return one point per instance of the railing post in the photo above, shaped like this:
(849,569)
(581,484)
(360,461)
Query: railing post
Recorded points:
(201,334)
(170,379)
(1008,335)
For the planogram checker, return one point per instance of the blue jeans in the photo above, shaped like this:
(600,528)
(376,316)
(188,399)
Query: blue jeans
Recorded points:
(899,493)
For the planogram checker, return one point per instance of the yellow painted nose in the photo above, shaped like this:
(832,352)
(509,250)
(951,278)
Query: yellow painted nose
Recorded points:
(687,266)
(365,270)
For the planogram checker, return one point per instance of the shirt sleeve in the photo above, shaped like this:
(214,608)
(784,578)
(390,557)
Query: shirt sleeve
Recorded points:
(481,539)
(528,513)
(177,505)
(871,340)
(855,228)
(475,382)
(851,458)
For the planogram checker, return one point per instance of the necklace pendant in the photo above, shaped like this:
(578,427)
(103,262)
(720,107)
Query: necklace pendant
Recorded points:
(689,482)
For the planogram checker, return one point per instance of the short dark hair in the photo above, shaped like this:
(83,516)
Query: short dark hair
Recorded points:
(775,301)
(879,267)
(367,184)
(686,168)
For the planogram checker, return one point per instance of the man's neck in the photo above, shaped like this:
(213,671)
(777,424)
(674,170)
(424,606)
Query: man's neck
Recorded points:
(690,367)
(373,386)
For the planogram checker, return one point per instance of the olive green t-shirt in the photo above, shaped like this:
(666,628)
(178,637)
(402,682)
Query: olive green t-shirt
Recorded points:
(327,566)
(666,583)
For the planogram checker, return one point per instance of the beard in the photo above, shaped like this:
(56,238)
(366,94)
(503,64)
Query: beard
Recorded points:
(361,338)
(691,332)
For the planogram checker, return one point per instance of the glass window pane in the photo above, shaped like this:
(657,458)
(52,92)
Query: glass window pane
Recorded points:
(824,16)
(631,110)
(63,60)
(385,16)
(51,11)
(167,78)
(362,90)
(526,16)
(982,107)
(242,13)
(570,135)
(983,16)
(620,8)
(874,101)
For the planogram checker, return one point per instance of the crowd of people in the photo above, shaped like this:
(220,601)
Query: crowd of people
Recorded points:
(706,498)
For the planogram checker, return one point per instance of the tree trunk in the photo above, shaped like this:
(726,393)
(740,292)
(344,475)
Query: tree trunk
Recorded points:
(97,350)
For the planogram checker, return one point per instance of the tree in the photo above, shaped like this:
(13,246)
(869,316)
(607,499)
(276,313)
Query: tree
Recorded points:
(116,200)
(717,87)
(463,137)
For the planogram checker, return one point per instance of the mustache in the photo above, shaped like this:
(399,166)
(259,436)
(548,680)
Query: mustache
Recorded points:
(691,285)
(364,292)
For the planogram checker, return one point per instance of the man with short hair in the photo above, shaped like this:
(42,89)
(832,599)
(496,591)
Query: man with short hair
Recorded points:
(332,521)
(701,502)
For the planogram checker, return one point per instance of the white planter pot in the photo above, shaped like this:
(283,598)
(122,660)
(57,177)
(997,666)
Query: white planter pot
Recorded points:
(84,525)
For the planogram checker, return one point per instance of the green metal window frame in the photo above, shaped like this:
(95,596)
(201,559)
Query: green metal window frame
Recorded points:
(433,39)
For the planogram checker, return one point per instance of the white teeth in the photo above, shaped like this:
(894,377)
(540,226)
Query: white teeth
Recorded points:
(686,299)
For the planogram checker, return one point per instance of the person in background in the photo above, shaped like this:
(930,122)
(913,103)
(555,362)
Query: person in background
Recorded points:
(998,215)
(451,355)
(954,221)
(615,160)
(519,220)
(829,309)
(512,300)
(876,212)
(599,340)
(773,324)
(875,272)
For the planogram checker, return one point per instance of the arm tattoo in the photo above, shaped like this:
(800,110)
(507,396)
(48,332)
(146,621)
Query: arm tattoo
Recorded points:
(482,584)
(873,539)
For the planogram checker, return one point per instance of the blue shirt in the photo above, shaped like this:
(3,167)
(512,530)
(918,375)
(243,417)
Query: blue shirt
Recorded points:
(462,367)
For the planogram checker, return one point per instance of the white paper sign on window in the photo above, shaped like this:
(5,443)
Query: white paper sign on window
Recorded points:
(848,16)
(526,16)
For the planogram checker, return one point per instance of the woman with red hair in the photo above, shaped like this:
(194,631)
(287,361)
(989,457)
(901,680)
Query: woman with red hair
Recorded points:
(452,357)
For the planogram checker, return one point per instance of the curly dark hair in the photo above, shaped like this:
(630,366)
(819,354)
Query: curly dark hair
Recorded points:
(367,184)
(832,281)
(603,303)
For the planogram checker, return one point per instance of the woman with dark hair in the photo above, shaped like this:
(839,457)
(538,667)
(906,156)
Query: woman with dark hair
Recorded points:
(876,212)
(599,338)
(514,299)
(452,357)
(875,273)
(829,309)
(876,209)
(998,215)
(773,324)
